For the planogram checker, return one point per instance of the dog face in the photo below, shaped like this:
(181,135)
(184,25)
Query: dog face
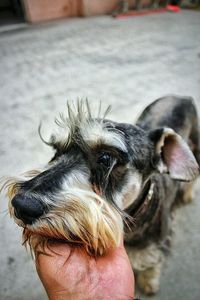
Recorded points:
(98,170)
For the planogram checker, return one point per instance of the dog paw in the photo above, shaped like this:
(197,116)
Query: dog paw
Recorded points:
(149,281)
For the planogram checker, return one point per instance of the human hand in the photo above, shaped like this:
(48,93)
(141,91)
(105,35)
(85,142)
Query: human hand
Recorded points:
(69,273)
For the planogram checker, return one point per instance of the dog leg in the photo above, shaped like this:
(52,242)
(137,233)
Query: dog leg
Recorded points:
(188,192)
(147,264)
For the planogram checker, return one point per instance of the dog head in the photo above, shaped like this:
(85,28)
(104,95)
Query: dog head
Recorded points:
(98,170)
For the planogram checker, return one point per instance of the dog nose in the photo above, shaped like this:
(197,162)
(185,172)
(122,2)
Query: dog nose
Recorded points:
(27,209)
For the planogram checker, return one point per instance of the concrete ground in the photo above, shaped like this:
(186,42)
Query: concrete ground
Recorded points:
(126,63)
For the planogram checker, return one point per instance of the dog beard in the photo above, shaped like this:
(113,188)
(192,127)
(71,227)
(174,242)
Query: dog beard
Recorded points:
(81,218)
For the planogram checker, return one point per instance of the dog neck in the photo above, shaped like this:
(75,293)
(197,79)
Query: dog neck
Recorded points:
(145,214)
(142,200)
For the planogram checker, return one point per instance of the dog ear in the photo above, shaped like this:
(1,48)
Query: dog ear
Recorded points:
(176,157)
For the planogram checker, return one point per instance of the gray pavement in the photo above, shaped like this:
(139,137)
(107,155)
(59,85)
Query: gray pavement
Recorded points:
(126,63)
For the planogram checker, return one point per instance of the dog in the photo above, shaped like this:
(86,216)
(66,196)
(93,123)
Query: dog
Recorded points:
(107,180)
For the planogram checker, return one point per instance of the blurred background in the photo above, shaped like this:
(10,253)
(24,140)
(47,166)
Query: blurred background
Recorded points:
(124,53)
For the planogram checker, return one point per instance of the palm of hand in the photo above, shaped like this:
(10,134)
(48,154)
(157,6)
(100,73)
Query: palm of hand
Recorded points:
(70,274)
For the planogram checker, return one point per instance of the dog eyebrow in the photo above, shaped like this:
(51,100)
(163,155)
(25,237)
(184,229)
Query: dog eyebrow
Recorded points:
(97,133)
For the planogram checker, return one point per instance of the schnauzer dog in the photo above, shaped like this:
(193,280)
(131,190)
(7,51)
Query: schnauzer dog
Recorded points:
(108,180)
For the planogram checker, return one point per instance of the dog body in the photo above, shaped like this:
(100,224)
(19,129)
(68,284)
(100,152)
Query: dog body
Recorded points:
(105,172)
(148,243)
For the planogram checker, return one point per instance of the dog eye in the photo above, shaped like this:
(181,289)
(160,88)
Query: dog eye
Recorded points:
(105,159)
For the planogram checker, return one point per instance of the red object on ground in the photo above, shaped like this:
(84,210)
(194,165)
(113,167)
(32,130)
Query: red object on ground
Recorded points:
(135,13)
(173,8)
